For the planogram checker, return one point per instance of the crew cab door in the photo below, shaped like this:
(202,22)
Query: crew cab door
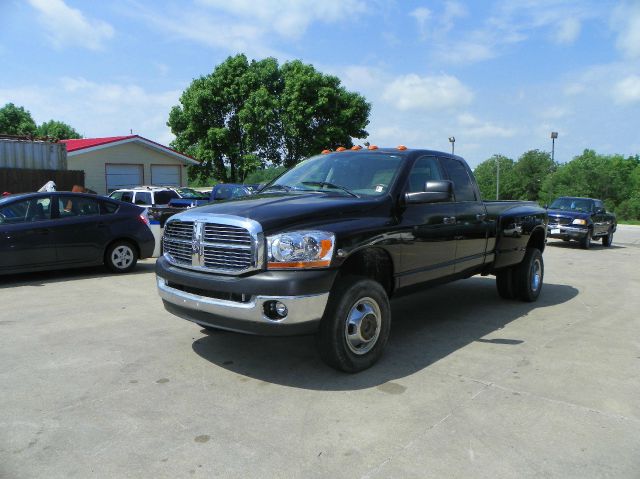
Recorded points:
(601,220)
(470,213)
(428,229)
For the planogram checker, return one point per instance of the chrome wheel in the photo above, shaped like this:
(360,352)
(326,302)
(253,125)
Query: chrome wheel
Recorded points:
(362,327)
(122,256)
(536,275)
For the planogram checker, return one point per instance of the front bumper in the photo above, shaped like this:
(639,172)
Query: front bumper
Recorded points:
(566,232)
(238,303)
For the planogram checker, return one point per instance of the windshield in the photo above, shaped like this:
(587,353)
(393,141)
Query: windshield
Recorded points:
(163,197)
(192,194)
(346,174)
(573,204)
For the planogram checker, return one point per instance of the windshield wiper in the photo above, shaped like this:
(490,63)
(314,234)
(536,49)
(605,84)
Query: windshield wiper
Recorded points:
(276,187)
(322,184)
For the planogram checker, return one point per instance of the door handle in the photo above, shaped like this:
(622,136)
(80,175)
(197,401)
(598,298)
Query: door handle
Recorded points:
(43,231)
(102,225)
(449,220)
(481,217)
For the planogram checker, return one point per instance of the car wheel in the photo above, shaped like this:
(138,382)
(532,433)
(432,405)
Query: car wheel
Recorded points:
(355,326)
(607,239)
(121,257)
(505,283)
(585,243)
(529,275)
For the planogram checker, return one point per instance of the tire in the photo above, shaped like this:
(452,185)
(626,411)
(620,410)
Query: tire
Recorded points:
(607,239)
(529,276)
(505,283)
(121,257)
(585,243)
(355,326)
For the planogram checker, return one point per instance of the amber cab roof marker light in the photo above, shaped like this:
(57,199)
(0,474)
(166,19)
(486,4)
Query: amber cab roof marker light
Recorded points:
(401,147)
(325,152)
(372,147)
(356,147)
(341,148)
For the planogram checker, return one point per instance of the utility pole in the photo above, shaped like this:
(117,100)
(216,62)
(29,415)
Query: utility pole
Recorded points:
(554,135)
(452,140)
(497,177)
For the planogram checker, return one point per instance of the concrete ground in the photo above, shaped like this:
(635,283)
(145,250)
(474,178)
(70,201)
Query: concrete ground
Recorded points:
(96,380)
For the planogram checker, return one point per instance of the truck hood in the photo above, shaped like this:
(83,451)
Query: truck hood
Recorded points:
(277,212)
(569,214)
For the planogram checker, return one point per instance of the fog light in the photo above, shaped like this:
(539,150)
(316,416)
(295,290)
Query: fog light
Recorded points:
(281,309)
(275,310)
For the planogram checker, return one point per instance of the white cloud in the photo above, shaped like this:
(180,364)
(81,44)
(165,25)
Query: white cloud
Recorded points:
(568,30)
(421,14)
(413,92)
(98,109)
(470,126)
(66,26)
(626,21)
(627,90)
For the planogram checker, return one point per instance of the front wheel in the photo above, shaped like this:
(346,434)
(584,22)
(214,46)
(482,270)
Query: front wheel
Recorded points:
(585,243)
(355,326)
(608,238)
(529,275)
(121,257)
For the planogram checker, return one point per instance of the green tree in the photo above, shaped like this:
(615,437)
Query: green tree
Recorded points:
(529,173)
(16,121)
(247,115)
(486,176)
(57,130)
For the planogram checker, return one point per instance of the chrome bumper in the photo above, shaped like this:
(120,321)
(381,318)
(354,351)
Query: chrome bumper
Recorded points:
(304,312)
(565,231)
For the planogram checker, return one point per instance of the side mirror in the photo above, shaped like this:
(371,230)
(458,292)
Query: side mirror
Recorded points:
(600,210)
(546,206)
(434,192)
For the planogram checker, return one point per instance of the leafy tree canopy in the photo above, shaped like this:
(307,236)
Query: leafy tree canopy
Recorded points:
(16,120)
(247,115)
(57,130)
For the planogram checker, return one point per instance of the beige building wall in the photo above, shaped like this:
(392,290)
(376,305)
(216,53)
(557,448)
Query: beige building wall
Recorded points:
(93,163)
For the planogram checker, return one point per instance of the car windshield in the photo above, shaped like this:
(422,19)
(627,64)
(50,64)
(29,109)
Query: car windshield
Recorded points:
(346,174)
(163,197)
(192,194)
(573,204)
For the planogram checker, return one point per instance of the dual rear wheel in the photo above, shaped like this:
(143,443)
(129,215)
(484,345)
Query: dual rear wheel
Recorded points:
(522,281)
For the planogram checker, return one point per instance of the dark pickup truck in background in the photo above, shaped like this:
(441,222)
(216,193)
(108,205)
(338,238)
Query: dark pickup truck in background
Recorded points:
(322,248)
(581,219)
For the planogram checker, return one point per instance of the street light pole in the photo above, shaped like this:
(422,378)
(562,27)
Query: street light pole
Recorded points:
(554,135)
(497,177)
(452,140)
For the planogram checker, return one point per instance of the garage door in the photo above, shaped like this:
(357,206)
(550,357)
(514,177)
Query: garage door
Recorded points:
(123,176)
(165,175)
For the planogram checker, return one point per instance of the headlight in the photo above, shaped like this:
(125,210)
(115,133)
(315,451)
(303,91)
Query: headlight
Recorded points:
(579,222)
(300,249)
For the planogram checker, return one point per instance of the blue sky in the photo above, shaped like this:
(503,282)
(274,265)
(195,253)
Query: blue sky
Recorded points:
(499,75)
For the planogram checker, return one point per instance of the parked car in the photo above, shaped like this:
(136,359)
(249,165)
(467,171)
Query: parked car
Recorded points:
(322,248)
(189,198)
(55,230)
(581,219)
(227,191)
(145,196)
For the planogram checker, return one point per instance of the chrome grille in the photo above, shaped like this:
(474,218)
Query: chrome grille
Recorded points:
(217,233)
(560,220)
(223,246)
(177,240)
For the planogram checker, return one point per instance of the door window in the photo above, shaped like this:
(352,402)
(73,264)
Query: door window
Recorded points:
(77,206)
(462,186)
(34,209)
(424,169)
(143,198)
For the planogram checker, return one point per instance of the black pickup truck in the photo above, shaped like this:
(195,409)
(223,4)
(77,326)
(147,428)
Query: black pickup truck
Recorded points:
(322,248)
(581,219)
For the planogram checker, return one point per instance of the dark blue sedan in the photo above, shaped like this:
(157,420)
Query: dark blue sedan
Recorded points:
(55,230)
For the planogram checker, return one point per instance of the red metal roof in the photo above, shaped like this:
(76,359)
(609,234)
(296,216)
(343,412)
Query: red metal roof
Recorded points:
(83,143)
(73,145)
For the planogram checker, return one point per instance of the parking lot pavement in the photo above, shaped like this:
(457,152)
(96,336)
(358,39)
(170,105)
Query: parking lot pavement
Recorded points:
(96,380)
